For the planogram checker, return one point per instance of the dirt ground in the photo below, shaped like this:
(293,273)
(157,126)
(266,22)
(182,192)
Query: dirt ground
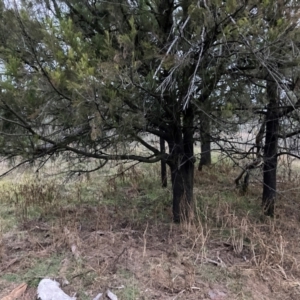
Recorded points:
(150,262)
(92,247)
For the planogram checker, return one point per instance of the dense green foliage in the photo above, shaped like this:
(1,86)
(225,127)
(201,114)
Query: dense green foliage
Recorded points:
(89,79)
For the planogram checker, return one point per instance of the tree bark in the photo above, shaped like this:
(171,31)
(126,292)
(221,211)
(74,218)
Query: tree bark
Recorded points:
(205,159)
(182,169)
(163,164)
(270,151)
(182,188)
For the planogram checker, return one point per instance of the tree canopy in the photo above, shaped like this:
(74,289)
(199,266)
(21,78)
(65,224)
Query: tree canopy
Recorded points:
(93,79)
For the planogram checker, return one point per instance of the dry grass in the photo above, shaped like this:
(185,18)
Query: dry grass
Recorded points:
(117,233)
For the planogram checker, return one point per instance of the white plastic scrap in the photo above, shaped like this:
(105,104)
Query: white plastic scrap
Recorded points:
(98,297)
(111,295)
(49,290)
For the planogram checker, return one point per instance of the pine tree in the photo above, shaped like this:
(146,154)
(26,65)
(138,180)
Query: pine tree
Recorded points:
(88,79)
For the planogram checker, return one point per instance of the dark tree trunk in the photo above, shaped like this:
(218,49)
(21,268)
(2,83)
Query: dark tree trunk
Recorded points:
(270,164)
(163,164)
(182,169)
(270,151)
(182,188)
(205,159)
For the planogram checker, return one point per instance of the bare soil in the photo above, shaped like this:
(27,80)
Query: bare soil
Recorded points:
(227,252)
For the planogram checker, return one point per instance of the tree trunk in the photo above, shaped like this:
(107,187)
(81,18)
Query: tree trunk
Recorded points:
(182,169)
(205,159)
(270,151)
(163,164)
(182,188)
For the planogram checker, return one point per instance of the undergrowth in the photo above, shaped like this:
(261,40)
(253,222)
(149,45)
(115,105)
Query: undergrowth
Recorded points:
(116,232)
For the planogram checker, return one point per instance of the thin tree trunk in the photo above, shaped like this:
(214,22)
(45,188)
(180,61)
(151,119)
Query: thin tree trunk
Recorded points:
(270,151)
(205,159)
(189,161)
(163,164)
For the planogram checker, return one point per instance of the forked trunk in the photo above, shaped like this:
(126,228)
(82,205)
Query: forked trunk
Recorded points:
(182,169)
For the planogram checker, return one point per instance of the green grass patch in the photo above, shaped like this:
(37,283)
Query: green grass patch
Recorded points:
(38,269)
(131,289)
